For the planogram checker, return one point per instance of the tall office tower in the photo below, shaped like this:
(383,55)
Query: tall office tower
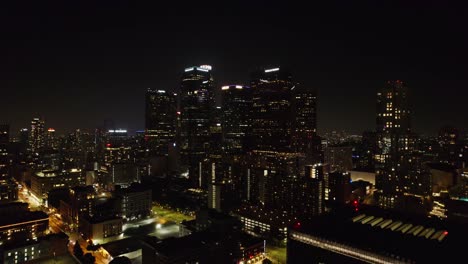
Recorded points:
(394,141)
(271,111)
(51,141)
(37,135)
(304,129)
(196,107)
(4,140)
(24,139)
(237,104)
(160,120)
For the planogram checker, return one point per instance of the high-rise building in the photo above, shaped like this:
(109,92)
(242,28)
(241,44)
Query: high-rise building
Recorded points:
(196,107)
(51,141)
(37,135)
(237,104)
(160,120)
(304,129)
(271,111)
(394,141)
(4,140)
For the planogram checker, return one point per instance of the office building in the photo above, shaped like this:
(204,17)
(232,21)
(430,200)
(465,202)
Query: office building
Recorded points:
(4,143)
(8,190)
(136,201)
(98,230)
(237,106)
(271,111)
(304,125)
(51,140)
(219,242)
(51,245)
(267,223)
(196,106)
(22,225)
(80,201)
(44,181)
(160,120)
(37,135)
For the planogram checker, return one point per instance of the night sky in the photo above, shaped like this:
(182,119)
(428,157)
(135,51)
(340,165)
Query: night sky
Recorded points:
(78,64)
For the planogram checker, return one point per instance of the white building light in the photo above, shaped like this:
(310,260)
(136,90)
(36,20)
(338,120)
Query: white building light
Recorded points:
(272,70)
(206,67)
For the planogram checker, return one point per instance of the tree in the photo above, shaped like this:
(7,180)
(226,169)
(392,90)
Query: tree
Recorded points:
(121,260)
(77,251)
(88,259)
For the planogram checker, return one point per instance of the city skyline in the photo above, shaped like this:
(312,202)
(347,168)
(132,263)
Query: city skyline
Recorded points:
(248,132)
(97,64)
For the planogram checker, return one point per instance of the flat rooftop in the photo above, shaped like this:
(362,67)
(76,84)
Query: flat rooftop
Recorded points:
(387,233)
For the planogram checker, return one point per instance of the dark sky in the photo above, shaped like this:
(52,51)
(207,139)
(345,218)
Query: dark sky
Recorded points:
(78,64)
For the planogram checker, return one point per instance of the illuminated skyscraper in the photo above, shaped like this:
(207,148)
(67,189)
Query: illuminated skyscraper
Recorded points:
(304,132)
(237,104)
(271,111)
(196,107)
(394,141)
(37,135)
(4,140)
(51,139)
(160,120)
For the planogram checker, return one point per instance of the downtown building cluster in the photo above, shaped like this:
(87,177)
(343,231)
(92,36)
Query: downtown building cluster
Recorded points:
(247,158)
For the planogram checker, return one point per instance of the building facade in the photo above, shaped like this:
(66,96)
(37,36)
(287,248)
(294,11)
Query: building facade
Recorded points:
(37,135)
(196,107)
(160,120)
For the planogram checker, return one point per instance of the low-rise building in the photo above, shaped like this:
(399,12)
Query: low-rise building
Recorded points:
(8,191)
(44,181)
(259,221)
(136,201)
(25,251)
(23,226)
(99,230)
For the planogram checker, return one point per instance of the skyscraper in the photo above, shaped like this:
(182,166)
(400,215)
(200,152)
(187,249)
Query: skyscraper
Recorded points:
(304,134)
(160,120)
(394,141)
(237,104)
(37,135)
(4,140)
(271,111)
(51,139)
(196,107)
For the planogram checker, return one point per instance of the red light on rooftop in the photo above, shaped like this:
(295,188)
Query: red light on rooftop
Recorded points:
(297,225)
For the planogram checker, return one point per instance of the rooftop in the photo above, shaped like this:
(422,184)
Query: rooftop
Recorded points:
(387,233)
(123,246)
(23,217)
